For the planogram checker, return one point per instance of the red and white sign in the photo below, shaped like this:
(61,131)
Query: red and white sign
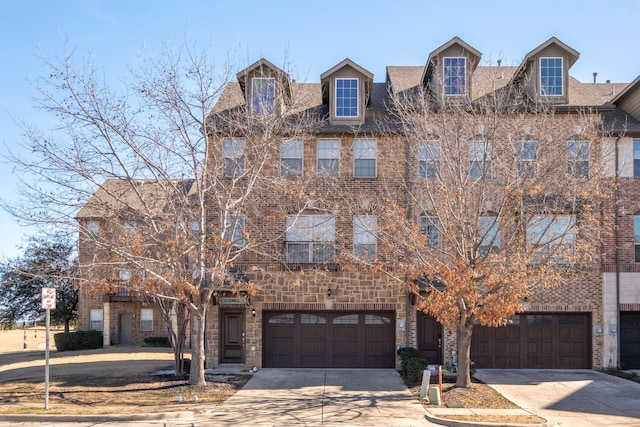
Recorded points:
(48,298)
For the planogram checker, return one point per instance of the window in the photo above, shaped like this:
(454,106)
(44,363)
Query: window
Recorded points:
(346,97)
(146,319)
(552,236)
(365,154)
(636,158)
(454,76)
(234,229)
(636,236)
(263,92)
(291,157)
(310,238)
(480,159)
(578,159)
(429,159)
(124,274)
(525,159)
(429,226)
(93,227)
(551,77)
(329,157)
(365,228)
(195,229)
(488,227)
(96,319)
(233,157)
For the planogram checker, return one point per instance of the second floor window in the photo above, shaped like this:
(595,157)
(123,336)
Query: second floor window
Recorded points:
(429,159)
(578,159)
(365,156)
(365,228)
(488,234)
(636,158)
(525,158)
(233,157)
(552,237)
(429,227)
(346,97)
(291,157)
(234,229)
(454,72)
(328,155)
(263,93)
(551,77)
(310,238)
(480,159)
(636,236)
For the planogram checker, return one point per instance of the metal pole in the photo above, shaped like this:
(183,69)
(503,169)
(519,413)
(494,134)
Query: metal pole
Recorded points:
(46,365)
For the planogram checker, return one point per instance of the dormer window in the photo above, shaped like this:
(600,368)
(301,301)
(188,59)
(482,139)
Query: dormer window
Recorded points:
(263,94)
(551,81)
(454,73)
(346,97)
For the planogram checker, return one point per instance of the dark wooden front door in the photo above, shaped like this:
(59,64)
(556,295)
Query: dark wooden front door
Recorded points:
(429,338)
(232,336)
(630,339)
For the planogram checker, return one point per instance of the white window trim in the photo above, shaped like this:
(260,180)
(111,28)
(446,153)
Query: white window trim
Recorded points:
(365,228)
(94,313)
(318,158)
(144,317)
(237,154)
(301,158)
(429,159)
(335,99)
(444,76)
(563,83)
(374,158)
(254,81)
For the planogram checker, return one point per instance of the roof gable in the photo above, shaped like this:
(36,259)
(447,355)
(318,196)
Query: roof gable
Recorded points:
(464,49)
(262,67)
(347,63)
(571,54)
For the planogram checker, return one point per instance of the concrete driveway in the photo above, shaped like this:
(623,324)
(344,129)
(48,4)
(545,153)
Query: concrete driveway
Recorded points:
(314,397)
(577,398)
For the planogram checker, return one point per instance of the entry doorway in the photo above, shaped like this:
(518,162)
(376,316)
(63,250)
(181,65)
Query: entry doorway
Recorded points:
(429,338)
(232,336)
(126,328)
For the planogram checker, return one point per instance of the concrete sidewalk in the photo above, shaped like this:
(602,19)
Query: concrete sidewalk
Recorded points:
(579,398)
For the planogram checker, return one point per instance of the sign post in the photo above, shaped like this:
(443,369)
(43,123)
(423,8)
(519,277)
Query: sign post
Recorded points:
(48,303)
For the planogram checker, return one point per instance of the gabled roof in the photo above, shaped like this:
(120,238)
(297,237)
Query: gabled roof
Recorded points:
(435,54)
(628,90)
(572,54)
(368,77)
(276,72)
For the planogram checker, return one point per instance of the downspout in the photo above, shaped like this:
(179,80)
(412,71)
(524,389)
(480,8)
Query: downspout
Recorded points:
(617,242)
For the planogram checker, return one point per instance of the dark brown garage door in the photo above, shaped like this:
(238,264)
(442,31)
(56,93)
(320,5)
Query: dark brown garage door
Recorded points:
(543,341)
(328,340)
(630,339)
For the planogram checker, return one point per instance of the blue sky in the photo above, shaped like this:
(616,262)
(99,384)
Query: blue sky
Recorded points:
(311,37)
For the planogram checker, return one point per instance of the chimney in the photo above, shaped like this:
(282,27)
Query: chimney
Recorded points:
(595,75)
(499,62)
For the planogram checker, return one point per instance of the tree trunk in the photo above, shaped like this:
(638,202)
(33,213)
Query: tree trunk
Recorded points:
(465,332)
(196,375)
(66,325)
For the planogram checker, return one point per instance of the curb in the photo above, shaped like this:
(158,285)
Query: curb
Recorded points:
(460,423)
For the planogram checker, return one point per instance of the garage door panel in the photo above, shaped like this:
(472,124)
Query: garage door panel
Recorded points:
(535,341)
(329,339)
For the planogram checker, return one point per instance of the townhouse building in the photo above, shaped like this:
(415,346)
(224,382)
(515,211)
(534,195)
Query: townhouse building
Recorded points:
(318,303)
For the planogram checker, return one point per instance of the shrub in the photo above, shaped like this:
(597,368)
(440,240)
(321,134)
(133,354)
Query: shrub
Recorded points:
(80,340)
(472,367)
(415,367)
(157,342)
(406,354)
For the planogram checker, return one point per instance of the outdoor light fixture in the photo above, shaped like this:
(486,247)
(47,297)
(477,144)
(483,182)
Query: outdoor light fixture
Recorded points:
(329,292)
(253,312)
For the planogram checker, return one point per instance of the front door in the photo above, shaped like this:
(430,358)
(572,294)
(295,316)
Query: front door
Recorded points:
(429,338)
(126,322)
(232,336)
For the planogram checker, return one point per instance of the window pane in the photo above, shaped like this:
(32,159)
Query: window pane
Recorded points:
(364,229)
(551,76)
(233,157)
(480,159)
(429,227)
(291,158)
(282,318)
(365,155)
(312,319)
(96,319)
(264,95)
(636,158)
(578,157)
(234,230)
(488,228)
(328,157)
(429,158)
(454,76)
(146,319)
(346,97)
(348,319)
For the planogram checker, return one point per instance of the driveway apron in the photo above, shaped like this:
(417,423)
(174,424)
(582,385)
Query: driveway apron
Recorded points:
(314,397)
(579,398)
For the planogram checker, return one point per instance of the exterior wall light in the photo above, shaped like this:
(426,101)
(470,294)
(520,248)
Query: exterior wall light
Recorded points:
(253,312)
(329,292)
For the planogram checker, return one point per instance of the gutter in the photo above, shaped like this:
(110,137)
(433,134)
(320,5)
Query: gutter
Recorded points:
(617,242)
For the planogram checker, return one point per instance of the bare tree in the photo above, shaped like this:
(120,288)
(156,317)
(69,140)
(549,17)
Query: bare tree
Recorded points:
(169,181)
(502,202)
